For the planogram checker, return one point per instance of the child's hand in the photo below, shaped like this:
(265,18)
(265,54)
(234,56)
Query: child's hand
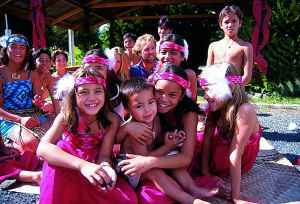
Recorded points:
(180,137)
(48,107)
(96,175)
(141,132)
(38,101)
(29,122)
(170,140)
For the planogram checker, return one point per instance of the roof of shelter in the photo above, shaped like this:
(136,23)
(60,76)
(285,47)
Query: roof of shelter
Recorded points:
(74,13)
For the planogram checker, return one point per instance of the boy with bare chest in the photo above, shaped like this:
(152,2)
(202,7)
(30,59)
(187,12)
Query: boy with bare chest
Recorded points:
(231,48)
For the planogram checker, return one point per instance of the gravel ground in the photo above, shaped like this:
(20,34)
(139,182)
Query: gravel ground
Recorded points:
(275,123)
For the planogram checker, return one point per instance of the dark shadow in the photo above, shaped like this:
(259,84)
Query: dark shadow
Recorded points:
(291,157)
(264,114)
(265,128)
(286,137)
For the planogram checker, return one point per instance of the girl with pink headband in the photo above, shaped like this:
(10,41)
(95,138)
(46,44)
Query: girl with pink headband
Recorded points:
(104,63)
(232,131)
(174,49)
(77,149)
(177,112)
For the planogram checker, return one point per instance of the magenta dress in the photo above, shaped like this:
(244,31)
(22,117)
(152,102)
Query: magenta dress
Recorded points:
(63,186)
(219,163)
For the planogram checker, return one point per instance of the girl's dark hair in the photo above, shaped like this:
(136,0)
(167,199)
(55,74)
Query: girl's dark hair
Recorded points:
(133,86)
(59,52)
(98,52)
(129,35)
(185,105)
(164,22)
(179,40)
(69,106)
(36,54)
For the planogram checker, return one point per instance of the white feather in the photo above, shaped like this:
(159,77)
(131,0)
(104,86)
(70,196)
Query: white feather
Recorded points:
(110,53)
(218,85)
(186,50)
(64,86)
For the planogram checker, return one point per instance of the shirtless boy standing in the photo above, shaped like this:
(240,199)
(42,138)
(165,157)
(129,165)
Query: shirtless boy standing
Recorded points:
(231,48)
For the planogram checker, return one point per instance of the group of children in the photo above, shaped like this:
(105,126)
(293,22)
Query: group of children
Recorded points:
(151,111)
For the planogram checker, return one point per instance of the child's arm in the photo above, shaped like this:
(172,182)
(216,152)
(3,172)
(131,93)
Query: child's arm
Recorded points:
(139,131)
(248,65)
(210,54)
(51,153)
(205,154)
(109,139)
(245,124)
(193,81)
(48,150)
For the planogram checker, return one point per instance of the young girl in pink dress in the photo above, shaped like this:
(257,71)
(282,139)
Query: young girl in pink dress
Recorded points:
(77,148)
(232,131)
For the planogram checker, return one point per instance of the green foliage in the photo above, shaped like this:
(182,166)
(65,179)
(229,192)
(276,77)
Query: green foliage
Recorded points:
(283,50)
(78,55)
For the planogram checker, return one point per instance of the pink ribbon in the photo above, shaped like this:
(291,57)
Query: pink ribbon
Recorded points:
(95,59)
(171,45)
(90,80)
(172,77)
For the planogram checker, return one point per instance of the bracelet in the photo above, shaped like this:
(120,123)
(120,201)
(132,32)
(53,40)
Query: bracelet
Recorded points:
(102,164)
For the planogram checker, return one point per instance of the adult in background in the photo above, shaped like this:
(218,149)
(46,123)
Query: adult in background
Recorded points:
(145,48)
(128,42)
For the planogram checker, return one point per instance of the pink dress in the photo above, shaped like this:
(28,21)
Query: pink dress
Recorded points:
(63,186)
(219,163)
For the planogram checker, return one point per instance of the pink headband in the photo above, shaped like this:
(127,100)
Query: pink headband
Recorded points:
(233,79)
(171,45)
(95,59)
(90,80)
(172,77)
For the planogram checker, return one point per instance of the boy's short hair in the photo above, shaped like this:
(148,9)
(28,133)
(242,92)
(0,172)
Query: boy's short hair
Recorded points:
(232,9)
(59,52)
(141,42)
(129,35)
(133,86)
(164,22)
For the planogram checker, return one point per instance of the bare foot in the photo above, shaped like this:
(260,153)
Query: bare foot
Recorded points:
(199,201)
(203,192)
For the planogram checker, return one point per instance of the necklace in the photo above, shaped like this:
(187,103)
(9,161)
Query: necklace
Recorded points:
(15,75)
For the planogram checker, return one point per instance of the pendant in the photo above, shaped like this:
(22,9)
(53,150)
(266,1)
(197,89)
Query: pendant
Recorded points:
(15,76)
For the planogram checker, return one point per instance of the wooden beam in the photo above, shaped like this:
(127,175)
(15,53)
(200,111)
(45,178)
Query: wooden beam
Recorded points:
(4,3)
(73,12)
(116,16)
(152,2)
(196,16)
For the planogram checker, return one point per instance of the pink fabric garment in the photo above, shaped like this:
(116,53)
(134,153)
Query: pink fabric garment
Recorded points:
(149,194)
(63,186)
(38,24)
(260,36)
(219,163)
(12,167)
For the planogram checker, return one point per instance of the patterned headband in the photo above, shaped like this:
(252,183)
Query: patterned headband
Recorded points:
(95,59)
(172,77)
(17,39)
(171,45)
(90,80)
(232,79)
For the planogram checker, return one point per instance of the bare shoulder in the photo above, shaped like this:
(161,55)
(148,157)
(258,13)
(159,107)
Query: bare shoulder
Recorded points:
(246,110)
(190,73)
(245,44)
(213,45)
